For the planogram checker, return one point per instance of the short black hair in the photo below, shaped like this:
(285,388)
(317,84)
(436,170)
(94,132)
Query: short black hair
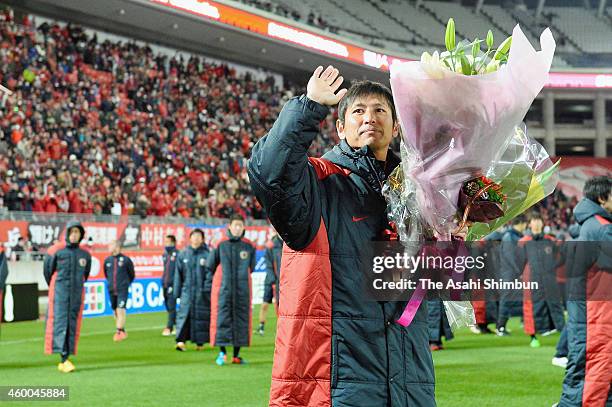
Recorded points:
(172,238)
(598,188)
(236,216)
(197,230)
(365,88)
(536,215)
(519,219)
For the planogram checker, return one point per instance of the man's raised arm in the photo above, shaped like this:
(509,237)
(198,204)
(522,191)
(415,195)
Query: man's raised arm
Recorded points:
(281,178)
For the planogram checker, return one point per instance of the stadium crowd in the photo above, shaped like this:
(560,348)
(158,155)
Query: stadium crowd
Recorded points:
(112,127)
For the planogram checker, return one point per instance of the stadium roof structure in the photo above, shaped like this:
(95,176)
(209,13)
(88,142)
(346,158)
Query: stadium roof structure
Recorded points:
(240,34)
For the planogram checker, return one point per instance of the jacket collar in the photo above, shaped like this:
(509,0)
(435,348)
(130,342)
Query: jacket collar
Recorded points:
(363,163)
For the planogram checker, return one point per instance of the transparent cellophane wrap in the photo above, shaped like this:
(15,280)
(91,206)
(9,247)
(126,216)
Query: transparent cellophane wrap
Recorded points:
(456,128)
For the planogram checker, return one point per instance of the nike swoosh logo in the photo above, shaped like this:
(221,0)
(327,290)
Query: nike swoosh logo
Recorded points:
(356,219)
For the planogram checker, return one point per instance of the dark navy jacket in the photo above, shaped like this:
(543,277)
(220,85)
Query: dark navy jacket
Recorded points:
(119,273)
(169,260)
(231,264)
(189,286)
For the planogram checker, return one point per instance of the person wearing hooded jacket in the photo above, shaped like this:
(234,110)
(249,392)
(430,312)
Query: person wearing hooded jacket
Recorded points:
(333,347)
(66,272)
(230,265)
(588,375)
(193,316)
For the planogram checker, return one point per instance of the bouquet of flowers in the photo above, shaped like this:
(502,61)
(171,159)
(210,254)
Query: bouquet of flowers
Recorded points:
(466,158)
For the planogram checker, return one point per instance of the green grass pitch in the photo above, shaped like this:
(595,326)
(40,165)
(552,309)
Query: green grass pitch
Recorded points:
(145,370)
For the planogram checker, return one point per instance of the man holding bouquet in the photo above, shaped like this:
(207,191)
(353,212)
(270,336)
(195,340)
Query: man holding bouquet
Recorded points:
(334,347)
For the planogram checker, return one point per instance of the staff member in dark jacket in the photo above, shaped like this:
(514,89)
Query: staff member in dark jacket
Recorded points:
(542,307)
(193,316)
(65,272)
(272,257)
(3,277)
(169,259)
(438,325)
(119,273)
(568,250)
(485,308)
(326,211)
(509,270)
(589,368)
(231,264)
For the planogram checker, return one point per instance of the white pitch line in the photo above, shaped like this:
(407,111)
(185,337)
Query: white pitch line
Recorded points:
(40,339)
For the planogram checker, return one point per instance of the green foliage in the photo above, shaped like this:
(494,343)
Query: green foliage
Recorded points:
(467,57)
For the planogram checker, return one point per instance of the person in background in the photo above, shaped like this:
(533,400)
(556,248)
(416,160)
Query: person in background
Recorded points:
(19,248)
(169,260)
(589,368)
(509,270)
(3,277)
(66,271)
(230,265)
(272,257)
(438,325)
(193,316)
(569,253)
(119,273)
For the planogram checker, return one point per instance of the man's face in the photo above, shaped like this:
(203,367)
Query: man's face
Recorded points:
(368,121)
(607,204)
(236,228)
(168,242)
(74,236)
(536,225)
(196,240)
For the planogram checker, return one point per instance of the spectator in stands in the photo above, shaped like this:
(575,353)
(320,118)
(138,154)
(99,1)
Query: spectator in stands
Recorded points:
(113,114)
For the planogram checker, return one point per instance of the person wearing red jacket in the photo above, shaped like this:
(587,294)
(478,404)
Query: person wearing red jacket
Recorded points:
(588,377)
